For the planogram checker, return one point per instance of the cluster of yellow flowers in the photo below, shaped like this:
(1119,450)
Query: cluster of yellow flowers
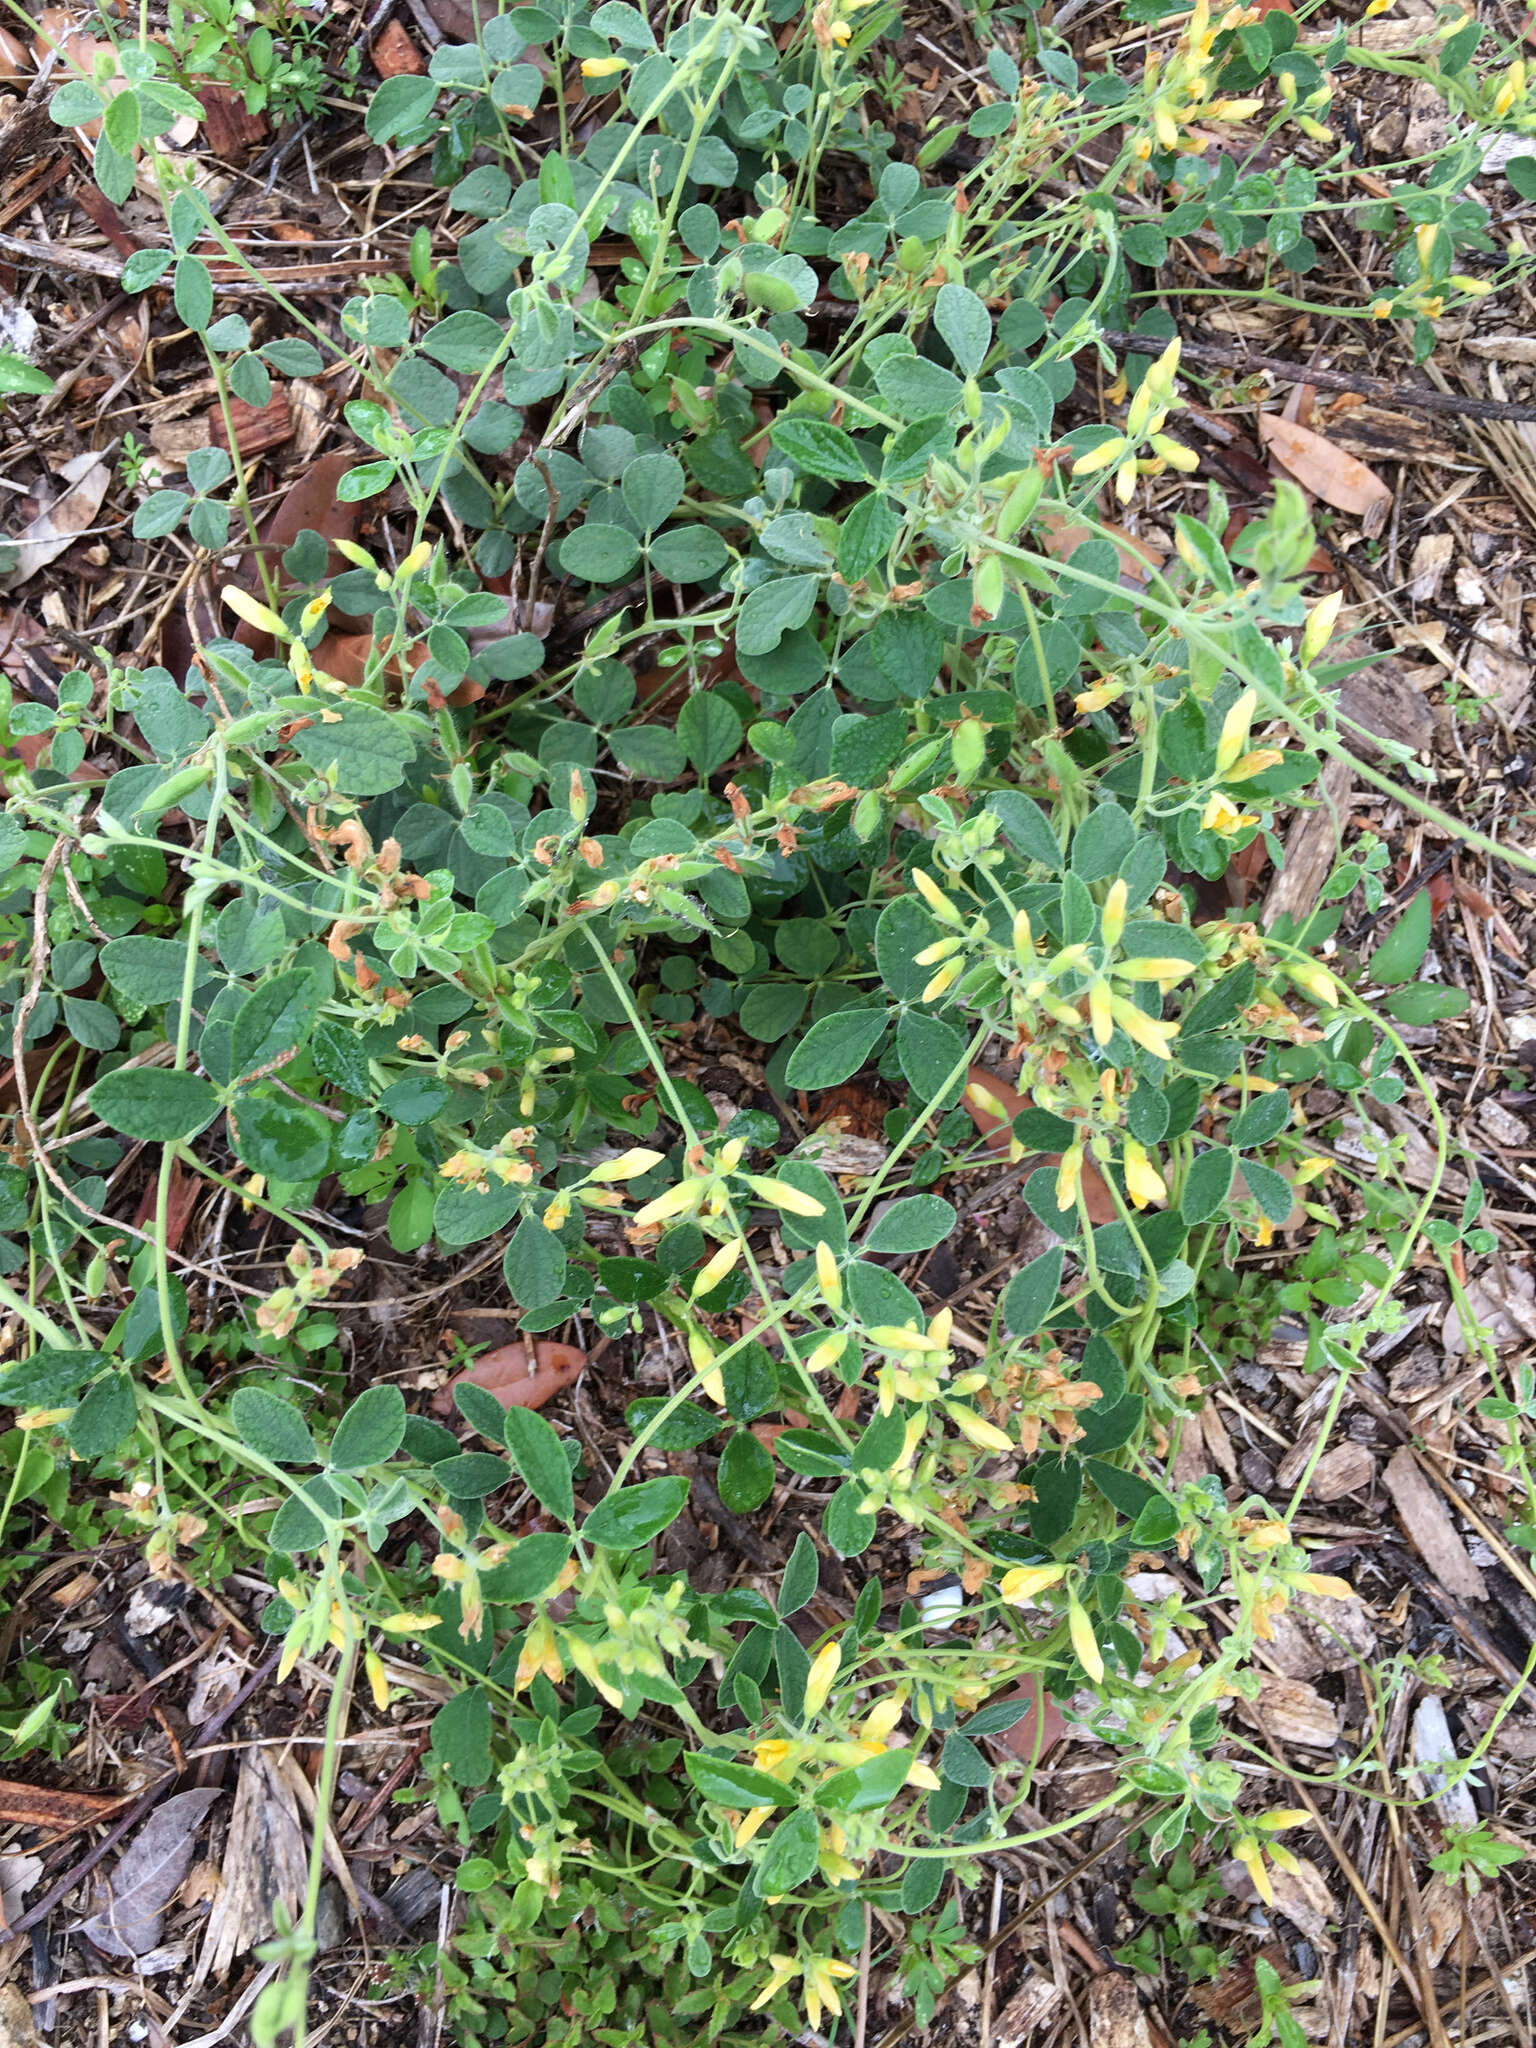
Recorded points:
(1181,90)
(1154,399)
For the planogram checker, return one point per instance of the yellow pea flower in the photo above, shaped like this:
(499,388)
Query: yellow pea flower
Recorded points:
(1222,816)
(1026,1580)
(1143,1182)
(603,67)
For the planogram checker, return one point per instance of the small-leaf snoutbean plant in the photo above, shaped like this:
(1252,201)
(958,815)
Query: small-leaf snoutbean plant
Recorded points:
(882,752)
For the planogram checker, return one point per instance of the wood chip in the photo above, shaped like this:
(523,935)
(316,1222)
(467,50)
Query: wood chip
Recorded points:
(39,1806)
(1311,844)
(256,429)
(228,130)
(264,1861)
(1292,1711)
(1433,1745)
(1427,1521)
(1347,1468)
(1116,2019)
(1426,572)
(395,55)
(1033,2006)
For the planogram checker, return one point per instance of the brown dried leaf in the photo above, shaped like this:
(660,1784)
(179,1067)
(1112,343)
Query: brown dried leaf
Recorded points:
(60,524)
(18,630)
(131,1908)
(505,1372)
(1428,1523)
(1317,465)
(310,502)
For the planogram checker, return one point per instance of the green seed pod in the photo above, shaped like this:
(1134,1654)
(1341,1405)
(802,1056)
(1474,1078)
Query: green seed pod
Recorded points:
(968,745)
(909,771)
(911,256)
(866,815)
(1019,503)
(165,794)
(987,587)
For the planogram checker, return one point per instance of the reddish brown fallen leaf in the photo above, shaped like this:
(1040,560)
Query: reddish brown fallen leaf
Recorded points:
(1037,1733)
(505,1373)
(1318,466)
(997,1133)
(181,1200)
(1062,538)
(41,1806)
(394,54)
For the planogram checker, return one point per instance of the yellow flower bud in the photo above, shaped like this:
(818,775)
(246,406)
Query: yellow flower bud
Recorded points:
(1084,1642)
(976,1429)
(1234,731)
(937,984)
(416,560)
(1114,913)
(244,606)
(819,1683)
(1101,457)
(628,1166)
(672,1202)
(1320,624)
(1314,981)
(828,1279)
(709,1276)
(940,904)
(826,1353)
(1068,1174)
(791,1200)
(603,67)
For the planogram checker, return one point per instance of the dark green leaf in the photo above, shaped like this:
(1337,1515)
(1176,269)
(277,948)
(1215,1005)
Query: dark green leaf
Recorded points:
(634,1514)
(154,1103)
(539,1456)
